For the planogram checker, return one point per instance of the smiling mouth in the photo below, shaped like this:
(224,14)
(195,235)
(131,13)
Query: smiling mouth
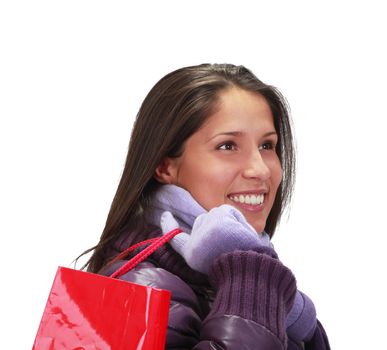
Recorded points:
(250,199)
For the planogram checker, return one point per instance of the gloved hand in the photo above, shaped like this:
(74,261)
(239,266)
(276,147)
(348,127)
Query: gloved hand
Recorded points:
(221,230)
(301,321)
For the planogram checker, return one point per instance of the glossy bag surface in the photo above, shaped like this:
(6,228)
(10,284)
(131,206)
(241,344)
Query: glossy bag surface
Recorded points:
(86,311)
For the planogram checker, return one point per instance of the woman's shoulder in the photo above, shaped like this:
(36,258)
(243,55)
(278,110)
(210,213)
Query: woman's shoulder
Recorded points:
(149,274)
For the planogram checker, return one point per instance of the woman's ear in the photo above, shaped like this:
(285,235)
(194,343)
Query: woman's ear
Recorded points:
(167,170)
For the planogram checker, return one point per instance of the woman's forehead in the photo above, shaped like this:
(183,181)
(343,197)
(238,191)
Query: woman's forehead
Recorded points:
(239,111)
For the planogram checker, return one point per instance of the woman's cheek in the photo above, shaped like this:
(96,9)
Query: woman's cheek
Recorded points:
(276,172)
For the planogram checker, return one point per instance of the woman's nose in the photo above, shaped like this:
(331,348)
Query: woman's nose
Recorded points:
(256,168)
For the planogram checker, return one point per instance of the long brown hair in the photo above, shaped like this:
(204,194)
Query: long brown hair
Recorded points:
(173,110)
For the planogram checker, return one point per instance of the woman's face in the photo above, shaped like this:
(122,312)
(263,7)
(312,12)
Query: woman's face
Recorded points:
(231,159)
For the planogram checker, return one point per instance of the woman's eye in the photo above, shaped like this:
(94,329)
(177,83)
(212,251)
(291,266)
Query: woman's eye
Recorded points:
(227,146)
(267,146)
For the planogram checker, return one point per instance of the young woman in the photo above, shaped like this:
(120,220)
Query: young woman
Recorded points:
(211,152)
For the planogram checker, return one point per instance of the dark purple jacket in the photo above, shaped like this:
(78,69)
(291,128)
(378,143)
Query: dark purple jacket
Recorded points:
(241,304)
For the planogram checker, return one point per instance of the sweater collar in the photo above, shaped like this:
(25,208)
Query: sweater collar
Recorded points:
(179,202)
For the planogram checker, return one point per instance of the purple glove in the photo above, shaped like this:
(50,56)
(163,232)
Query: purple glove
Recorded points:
(301,321)
(221,230)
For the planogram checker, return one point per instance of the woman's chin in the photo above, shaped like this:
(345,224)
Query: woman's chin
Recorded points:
(258,226)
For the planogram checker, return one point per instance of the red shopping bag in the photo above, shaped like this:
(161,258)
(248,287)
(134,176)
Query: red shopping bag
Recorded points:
(86,311)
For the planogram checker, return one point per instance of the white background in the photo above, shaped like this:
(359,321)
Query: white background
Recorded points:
(72,77)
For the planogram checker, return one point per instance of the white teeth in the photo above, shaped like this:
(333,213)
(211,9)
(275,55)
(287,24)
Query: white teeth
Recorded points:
(252,199)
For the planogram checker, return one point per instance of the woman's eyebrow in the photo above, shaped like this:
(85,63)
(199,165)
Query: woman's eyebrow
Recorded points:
(226,133)
(239,133)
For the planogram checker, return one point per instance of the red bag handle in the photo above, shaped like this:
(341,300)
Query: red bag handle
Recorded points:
(155,243)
